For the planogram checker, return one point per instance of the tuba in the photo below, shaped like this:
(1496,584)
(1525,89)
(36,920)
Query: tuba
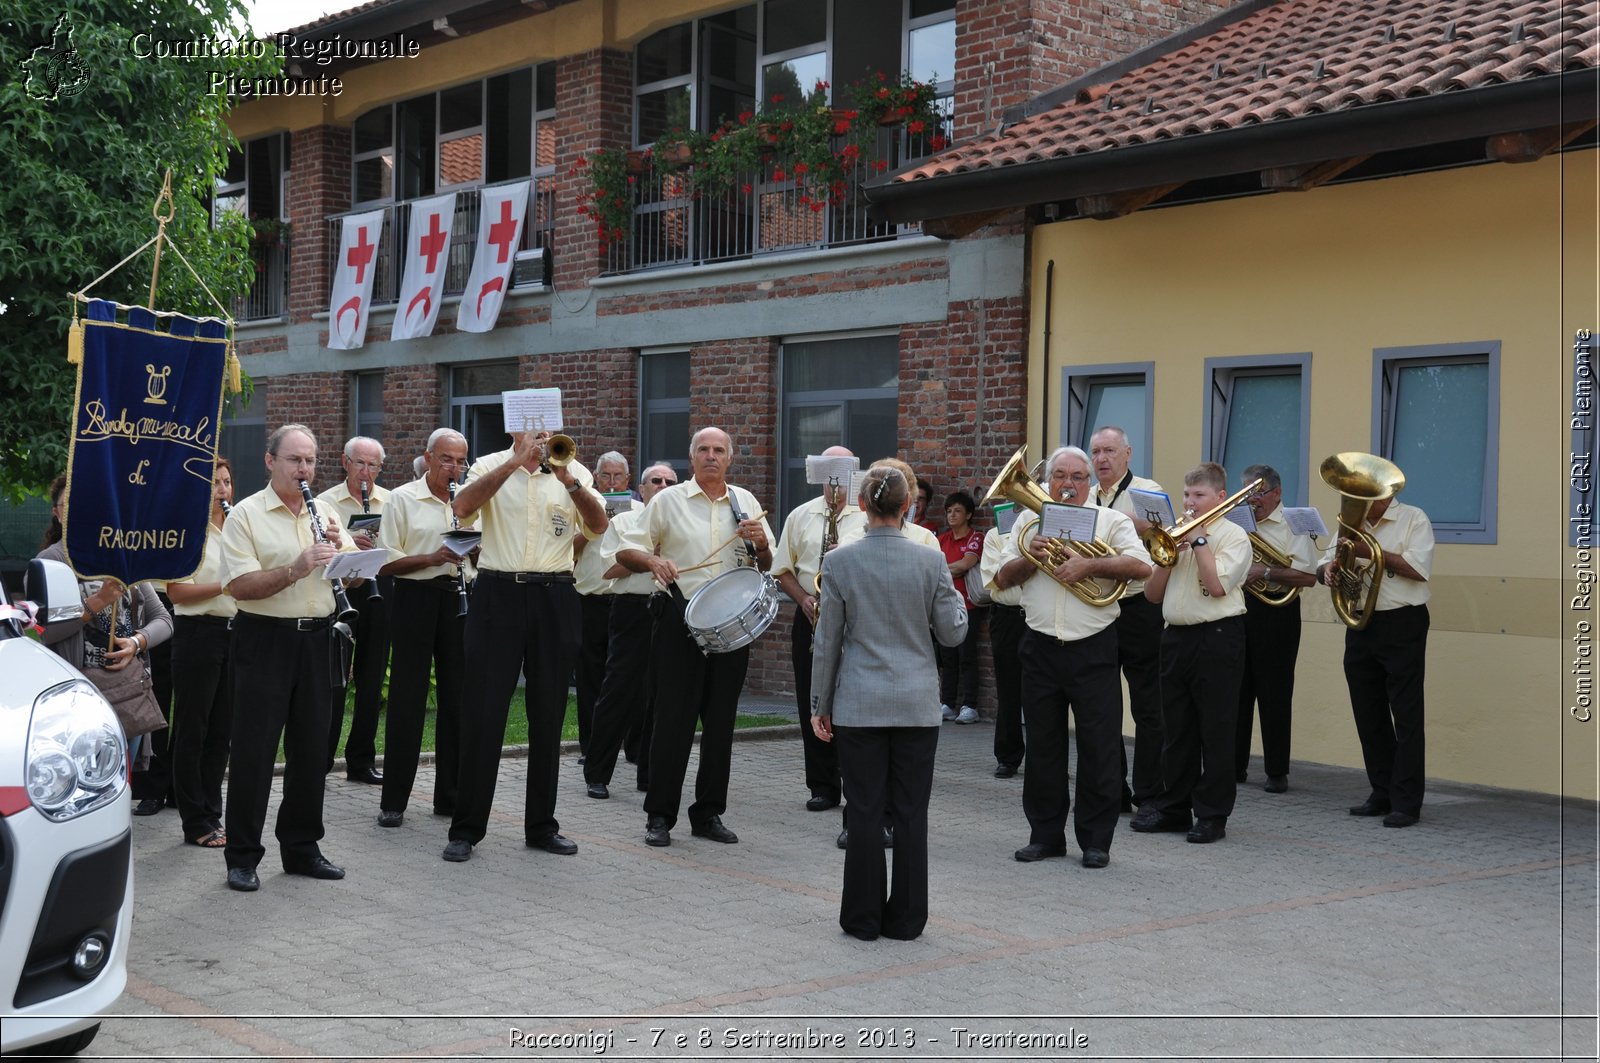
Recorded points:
(1018,486)
(1363,479)
(1163,542)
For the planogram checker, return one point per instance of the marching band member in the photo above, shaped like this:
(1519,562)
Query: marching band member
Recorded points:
(685,521)
(428,592)
(594,599)
(524,620)
(1006,625)
(1202,651)
(1069,661)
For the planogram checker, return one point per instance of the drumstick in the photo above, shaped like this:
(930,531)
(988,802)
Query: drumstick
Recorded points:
(725,544)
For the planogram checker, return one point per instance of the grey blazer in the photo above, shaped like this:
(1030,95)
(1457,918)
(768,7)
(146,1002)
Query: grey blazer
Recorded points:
(872,663)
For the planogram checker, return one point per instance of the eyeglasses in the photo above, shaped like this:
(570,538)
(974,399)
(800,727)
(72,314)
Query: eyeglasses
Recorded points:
(662,480)
(1076,477)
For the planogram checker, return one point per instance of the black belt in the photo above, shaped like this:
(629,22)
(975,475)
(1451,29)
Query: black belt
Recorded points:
(420,581)
(298,623)
(209,621)
(527,577)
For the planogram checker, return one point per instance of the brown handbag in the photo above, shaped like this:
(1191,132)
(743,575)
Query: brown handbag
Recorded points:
(129,690)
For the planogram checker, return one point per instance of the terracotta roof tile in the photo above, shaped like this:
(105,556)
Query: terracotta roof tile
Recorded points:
(1294,59)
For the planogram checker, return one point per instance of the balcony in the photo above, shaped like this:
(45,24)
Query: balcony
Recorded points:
(765,211)
(388,267)
(265,299)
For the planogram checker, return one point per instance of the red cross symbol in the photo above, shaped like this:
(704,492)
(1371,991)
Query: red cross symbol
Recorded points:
(361,254)
(502,232)
(432,242)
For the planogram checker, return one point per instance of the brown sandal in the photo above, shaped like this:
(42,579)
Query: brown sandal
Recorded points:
(216,839)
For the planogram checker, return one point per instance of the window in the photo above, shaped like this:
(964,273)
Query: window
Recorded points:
(837,391)
(252,184)
(366,405)
(794,51)
(1259,415)
(243,439)
(664,410)
(1098,395)
(695,75)
(475,408)
(1437,416)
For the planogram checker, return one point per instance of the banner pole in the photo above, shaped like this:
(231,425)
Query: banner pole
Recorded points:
(161,230)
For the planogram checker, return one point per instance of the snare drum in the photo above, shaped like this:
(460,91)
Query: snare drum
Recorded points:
(732,611)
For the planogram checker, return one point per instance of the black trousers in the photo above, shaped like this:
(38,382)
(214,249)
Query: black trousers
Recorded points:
(281,689)
(427,632)
(1080,676)
(527,628)
(1200,666)
(958,665)
(1384,666)
(1271,646)
(156,780)
(1006,625)
(591,662)
(625,695)
(202,720)
(1139,655)
(691,687)
(371,661)
(889,773)
(822,759)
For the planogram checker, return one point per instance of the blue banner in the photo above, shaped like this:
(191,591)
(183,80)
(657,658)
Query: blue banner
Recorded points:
(144,444)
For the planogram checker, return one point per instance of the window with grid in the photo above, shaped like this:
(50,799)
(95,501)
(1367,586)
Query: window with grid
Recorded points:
(1120,395)
(664,410)
(1259,415)
(366,404)
(475,407)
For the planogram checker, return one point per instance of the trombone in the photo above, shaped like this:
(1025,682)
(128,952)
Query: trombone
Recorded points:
(1163,542)
(1363,480)
(1016,485)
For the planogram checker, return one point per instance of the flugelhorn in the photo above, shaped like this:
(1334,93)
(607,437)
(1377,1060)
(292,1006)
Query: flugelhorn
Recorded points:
(1015,484)
(1272,557)
(1363,480)
(559,450)
(1163,542)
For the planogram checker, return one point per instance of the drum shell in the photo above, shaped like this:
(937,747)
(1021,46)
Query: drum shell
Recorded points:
(731,611)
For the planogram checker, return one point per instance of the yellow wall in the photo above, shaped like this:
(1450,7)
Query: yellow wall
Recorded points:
(1463,255)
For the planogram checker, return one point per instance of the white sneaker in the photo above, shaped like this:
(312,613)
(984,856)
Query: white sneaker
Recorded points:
(947,712)
(968,714)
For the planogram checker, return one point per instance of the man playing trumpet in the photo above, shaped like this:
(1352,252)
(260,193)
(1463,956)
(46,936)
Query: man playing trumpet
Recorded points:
(1068,657)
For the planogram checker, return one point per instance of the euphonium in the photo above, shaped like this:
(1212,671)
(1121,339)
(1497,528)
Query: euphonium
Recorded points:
(1163,542)
(1016,485)
(1363,479)
(1272,557)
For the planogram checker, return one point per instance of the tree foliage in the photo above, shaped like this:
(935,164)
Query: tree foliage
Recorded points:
(87,129)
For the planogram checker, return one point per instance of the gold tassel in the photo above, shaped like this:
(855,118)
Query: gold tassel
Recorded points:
(75,339)
(235,382)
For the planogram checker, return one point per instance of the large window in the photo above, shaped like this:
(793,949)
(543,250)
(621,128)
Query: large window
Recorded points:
(1259,414)
(837,391)
(1095,396)
(243,439)
(664,410)
(695,75)
(1437,416)
(475,408)
(252,184)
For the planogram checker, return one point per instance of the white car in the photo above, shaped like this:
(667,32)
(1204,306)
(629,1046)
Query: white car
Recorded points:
(66,849)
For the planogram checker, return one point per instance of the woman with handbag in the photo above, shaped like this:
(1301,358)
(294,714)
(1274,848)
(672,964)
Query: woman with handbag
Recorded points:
(117,662)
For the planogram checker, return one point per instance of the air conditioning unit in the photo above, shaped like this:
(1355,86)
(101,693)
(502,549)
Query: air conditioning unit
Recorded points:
(531,269)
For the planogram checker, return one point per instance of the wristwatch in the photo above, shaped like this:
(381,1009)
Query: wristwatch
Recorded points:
(1201,541)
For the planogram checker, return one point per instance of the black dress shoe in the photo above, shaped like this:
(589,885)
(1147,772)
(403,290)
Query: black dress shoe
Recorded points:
(554,843)
(821,803)
(843,841)
(598,790)
(1276,784)
(368,774)
(656,832)
(1400,819)
(316,867)
(1150,821)
(243,879)
(1096,858)
(1371,807)
(390,818)
(1005,771)
(149,806)
(715,831)
(458,851)
(1206,831)
(582,759)
(1034,851)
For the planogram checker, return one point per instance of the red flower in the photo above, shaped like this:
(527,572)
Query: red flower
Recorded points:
(800,168)
(777,98)
(883,94)
(816,206)
(938,143)
(745,188)
(840,128)
(916,127)
(582,161)
(745,116)
(779,175)
(880,165)
(850,152)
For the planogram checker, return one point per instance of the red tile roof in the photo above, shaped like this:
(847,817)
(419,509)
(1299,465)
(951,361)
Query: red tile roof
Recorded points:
(1291,59)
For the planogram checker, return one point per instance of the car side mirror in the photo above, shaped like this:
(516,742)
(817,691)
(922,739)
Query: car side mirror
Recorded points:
(53,588)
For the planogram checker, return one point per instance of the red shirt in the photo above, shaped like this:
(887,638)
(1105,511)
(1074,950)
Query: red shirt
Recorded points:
(955,549)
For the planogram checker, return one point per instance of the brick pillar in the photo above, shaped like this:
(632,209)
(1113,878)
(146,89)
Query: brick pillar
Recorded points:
(594,105)
(319,185)
(321,402)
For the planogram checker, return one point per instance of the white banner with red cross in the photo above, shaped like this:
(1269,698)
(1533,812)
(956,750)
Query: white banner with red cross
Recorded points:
(352,280)
(427,256)
(499,234)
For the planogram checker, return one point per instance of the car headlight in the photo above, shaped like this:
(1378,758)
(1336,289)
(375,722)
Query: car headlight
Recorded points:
(77,757)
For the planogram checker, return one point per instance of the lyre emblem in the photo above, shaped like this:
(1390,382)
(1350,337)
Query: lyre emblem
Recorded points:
(157,384)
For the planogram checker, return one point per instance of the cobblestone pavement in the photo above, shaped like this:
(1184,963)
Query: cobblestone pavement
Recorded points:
(1307,932)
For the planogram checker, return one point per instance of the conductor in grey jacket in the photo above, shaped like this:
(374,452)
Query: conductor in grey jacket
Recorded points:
(874,690)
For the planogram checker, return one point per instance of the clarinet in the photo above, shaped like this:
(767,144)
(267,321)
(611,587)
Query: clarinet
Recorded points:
(341,601)
(461,566)
(366,507)
(227,508)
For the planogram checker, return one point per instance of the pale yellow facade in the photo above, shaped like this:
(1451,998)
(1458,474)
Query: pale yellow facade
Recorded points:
(1498,252)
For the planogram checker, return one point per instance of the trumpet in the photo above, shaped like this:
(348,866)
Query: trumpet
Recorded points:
(559,450)
(347,614)
(1272,557)
(1363,479)
(1163,542)
(1015,485)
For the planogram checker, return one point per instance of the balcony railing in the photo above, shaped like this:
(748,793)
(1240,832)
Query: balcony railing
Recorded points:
(764,211)
(388,267)
(265,299)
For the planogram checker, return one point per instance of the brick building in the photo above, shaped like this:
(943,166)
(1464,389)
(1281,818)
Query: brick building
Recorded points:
(792,332)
